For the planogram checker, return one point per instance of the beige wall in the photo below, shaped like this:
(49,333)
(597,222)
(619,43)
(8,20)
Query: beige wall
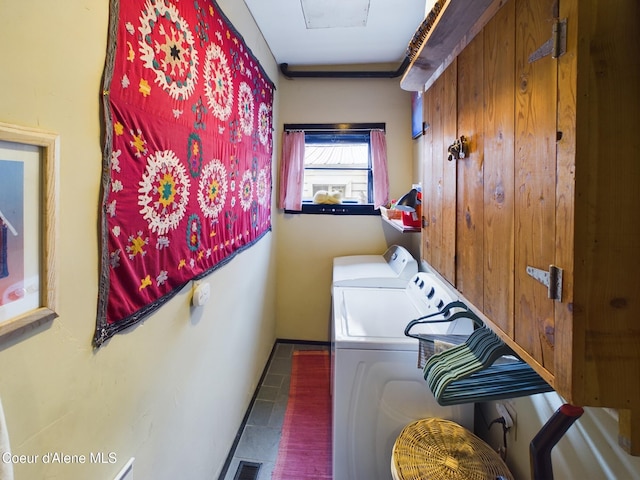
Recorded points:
(307,243)
(171,392)
(588,451)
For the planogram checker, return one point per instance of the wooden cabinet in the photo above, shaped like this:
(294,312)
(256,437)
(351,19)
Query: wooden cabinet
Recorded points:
(550,179)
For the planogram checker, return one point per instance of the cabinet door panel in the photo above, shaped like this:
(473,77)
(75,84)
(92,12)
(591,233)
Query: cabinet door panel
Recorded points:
(431,203)
(449,109)
(470,196)
(499,167)
(439,176)
(427,139)
(535,178)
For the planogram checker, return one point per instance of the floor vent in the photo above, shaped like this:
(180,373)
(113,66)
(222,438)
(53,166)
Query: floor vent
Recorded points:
(247,471)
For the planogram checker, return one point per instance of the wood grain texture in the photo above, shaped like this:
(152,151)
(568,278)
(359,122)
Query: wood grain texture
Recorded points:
(457,24)
(498,81)
(470,175)
(449,179)
(606,238)
(440,189)
(433,168)
(570,336)
(535,147)
(427,176)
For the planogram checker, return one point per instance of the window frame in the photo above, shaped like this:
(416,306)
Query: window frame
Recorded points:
(309,207)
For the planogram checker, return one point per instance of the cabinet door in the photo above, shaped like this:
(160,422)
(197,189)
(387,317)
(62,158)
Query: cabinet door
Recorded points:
(498,164)
(535,178)
(439,184)
(427,187)
(470,186)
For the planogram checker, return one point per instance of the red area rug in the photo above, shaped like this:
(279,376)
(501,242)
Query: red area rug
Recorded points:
(305,444)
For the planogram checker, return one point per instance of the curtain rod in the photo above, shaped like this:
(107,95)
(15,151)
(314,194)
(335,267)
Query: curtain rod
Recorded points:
(337,127)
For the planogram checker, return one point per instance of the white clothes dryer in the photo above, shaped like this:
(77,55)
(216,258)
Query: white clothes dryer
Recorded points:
(377,387)
(393,269)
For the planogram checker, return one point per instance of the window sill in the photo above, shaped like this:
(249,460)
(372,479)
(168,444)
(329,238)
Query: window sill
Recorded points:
(338,209)
(401,227)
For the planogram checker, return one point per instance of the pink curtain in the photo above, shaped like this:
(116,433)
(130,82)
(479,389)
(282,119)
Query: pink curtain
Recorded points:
(379,166)
(291,171)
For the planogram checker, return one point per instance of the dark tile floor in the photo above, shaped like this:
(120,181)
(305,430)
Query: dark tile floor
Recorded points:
(260,436)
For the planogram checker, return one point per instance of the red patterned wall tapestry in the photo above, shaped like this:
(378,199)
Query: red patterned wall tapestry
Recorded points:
(187,154)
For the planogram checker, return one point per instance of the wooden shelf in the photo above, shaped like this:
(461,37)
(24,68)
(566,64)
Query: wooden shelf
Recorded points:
(398,225)
(456,25)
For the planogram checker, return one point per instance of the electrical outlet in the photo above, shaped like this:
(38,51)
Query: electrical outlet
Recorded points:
(504,413)
(201,294)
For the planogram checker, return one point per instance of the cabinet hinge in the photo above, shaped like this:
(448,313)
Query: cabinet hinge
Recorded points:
(551,279)
(556,45)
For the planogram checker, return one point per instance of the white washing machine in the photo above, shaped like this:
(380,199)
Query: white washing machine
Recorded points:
(393,269)
(377,387)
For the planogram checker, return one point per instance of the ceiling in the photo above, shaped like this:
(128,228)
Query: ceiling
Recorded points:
(337,32)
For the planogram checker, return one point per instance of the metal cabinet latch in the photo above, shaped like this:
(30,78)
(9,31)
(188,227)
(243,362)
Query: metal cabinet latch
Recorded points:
(551,279)
(457,149)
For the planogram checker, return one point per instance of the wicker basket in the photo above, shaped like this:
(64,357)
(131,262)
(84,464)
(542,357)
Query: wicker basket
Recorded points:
(434,448)
(391,213)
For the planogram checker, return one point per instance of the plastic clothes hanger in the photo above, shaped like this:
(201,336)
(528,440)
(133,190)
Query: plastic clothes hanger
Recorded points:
(467,372)
(444,313)
(480,353)
(461,311)
(428,339)
(509,380)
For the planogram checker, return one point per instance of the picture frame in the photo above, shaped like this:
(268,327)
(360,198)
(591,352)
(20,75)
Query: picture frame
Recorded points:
(29,159)
(417,118)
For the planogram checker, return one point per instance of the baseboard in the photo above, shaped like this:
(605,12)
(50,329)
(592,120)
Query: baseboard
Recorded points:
(301,342)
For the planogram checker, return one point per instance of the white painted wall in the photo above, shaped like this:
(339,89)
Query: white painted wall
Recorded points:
(307,243)
(170,392)
(588,451)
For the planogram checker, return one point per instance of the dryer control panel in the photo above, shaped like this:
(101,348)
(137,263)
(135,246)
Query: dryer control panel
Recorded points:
(431,295)
(401,261)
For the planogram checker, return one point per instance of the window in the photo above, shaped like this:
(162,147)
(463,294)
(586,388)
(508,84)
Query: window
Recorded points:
(338,163)
(337,160)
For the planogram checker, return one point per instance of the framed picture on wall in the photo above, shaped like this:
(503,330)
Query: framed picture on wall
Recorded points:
(28,214)
(417,120)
